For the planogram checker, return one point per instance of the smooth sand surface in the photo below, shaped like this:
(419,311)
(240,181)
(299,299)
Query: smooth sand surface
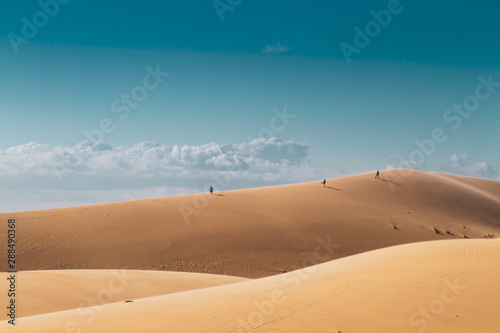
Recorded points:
(258,232)
(444,286)
(50,291)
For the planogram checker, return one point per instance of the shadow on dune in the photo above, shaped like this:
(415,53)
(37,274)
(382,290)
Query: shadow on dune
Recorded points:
(219,195)
(389,181)
(333,188)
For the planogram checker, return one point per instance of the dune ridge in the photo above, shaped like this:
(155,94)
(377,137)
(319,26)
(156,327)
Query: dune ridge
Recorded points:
(60,290)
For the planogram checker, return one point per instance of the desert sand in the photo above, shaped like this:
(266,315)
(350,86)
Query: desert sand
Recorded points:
(410,252)
(443,286)
(59,290)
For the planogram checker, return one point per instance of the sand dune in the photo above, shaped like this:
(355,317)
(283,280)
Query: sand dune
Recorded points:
(327,259)
(444,286)
(51,291)
(259,232)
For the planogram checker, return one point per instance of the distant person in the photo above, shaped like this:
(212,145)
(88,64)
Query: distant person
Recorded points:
(377,176)
(211,190)
(324,182)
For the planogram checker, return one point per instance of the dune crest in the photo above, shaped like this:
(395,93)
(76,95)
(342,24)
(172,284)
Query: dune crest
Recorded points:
(60,290)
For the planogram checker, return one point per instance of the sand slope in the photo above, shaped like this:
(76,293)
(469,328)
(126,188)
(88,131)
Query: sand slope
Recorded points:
(445,286)
(259,232)
(51,291)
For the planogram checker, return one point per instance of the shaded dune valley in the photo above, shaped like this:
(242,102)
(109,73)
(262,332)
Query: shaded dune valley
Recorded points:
(409,252)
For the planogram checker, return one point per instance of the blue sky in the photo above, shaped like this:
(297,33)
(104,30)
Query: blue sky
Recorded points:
(66,66)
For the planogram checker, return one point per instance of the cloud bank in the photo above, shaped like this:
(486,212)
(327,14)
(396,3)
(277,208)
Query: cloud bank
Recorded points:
(457,164)
(269,159)
(37,176)
(40,176)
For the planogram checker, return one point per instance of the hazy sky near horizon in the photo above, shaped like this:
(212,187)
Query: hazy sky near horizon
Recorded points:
(105,101)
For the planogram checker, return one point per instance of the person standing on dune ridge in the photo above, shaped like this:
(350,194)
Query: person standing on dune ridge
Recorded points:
(377,176)
(324,182)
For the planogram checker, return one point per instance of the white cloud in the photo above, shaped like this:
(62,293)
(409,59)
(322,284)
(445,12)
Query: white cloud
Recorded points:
(104,173)
(275,49)
(458,164)
(36,176)
(149,159)
(463,164)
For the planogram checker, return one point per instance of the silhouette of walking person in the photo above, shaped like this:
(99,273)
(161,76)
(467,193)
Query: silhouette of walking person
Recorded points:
(377,176)
(211,190)
(324,182)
